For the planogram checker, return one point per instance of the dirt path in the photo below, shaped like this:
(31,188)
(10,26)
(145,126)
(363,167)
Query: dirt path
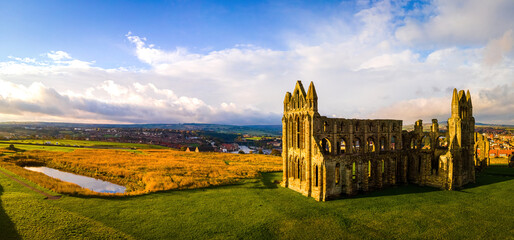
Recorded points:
(48,196)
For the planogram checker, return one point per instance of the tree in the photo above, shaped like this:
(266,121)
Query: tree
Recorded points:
(260,151)
(276,152)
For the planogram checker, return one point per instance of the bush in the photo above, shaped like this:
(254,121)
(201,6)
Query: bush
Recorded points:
(275,152)
(241,152)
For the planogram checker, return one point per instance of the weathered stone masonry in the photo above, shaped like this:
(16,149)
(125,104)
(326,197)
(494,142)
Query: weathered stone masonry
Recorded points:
(331,157)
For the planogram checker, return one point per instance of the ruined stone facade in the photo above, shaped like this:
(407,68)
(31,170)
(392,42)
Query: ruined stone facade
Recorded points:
(328,158)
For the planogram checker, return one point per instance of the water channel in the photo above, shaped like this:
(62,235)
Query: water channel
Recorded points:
(93,184)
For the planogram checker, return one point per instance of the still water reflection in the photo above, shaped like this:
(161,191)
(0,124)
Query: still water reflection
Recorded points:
(85,182)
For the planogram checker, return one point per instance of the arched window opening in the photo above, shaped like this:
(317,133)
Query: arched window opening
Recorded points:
(290,133)
(435,165)
(354,171)
(342,148)
(383,127)
(369,168)
(298,169)
(412,143)
(325,145)
(316,176)
(394,126)
(325,126)
(442,142)
(342,127)
(371,127)
(425,142)
(371,145)
(298,131)
(357,127)
(356,145)
(382,143)
(393,143)
(337,173)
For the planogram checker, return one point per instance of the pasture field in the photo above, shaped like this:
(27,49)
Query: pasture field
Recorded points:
(141,171)
(80,143)
(261,209)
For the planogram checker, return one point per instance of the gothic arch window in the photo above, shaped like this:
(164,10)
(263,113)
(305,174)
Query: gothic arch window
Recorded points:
(383,127)
(325,126)
(442,142)
(356,145)
(371,127)
(413,143)
(338,173)
(357,127)
(298,132)
(371,145)
(325,145)
(425,142)
(298,169)
(342,146)
(394,126)
(382,143)
(369,168)
(316,172)
(342,127)
(393,143)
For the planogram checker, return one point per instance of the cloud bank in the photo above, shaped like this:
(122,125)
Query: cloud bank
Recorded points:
(396,61)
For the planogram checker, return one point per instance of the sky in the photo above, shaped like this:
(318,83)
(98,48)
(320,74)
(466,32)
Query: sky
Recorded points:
(231,62)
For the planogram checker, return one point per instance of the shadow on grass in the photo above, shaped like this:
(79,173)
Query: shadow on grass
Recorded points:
(492,174)
(6,225)
(268,181)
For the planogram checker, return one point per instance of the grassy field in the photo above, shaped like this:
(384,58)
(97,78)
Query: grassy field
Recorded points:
(81,143)
(260,209)
(148,170)
(24,214)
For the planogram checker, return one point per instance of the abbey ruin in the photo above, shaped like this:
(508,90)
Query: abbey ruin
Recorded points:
(327,158)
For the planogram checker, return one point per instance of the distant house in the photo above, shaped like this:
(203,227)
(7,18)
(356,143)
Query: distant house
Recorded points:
(229,147)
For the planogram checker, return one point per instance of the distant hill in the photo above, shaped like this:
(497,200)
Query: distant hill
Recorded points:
(260,130)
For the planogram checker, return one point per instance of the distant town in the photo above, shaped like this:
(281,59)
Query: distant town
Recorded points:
(201,137)
(204,138)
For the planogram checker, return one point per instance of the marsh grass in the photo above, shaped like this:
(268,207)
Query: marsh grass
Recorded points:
(145,171)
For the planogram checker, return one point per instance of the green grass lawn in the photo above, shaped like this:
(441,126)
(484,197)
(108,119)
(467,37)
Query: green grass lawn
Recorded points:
(260,209)
(24,214)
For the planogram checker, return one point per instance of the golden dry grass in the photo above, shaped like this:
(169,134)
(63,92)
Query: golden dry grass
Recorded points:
(144,171)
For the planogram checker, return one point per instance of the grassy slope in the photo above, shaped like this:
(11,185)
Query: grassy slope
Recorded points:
(25,214)
(261,210)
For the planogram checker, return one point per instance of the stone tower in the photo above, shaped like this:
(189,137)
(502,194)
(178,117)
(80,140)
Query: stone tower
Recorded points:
(299,110)
(461,131)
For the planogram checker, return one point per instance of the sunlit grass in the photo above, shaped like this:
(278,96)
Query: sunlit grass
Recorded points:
(143,171)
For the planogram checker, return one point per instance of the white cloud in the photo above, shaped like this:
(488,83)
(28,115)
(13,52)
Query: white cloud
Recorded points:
(369,71)
(58,55)
(459,22)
